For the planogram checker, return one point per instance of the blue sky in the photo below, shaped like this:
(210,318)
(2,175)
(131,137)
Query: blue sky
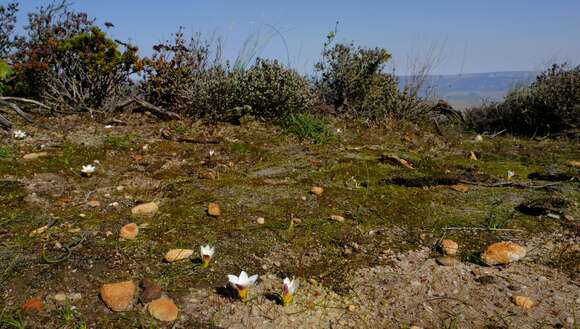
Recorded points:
(467,36)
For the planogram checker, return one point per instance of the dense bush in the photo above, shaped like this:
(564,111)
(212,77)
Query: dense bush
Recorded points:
(64,60)
(184,77)
(353,81)
(549,105)
(273,91)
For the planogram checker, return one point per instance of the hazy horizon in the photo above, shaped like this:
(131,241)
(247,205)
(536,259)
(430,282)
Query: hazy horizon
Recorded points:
(494,36)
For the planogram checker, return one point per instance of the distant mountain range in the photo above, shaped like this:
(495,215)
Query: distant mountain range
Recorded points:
(465,90)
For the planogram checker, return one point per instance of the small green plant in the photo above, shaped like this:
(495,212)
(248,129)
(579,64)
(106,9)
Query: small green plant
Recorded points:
(67,313)
(11,322)
(4,153)
(307,126)
(119,142)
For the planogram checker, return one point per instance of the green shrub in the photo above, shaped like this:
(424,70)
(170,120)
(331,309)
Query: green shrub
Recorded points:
(274,92)
(183,77)
(353,81)
(308,127)
(549,105)
(67,62)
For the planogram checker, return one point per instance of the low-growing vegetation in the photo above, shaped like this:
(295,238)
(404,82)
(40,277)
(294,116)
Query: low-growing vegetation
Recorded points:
(133,189)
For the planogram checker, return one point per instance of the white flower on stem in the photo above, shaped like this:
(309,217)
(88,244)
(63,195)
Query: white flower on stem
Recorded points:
(207,253)
(510,174)
(242,283)
(88,170)
(211,153)
(290,287)
(19,134)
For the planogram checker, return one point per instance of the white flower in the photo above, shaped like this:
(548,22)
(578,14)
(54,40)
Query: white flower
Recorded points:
(207,253)
(88,170)
(19,134)
(242,283)
(338,130)
(288,291)
(510,174)
(478,138)
(211,153)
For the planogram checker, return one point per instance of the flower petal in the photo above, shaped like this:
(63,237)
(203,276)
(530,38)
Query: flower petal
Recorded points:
(233,279)
(253,278)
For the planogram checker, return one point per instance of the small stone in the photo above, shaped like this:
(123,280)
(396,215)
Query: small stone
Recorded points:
(446,261)
(33,305)
(296,221)
(317,190)
(208,174)
(449,247)
(260,220)
(460,188)
(478,138)
(148,209)
(523,302)
(120,188)
(303,198)
(118,296)
(514,287)
(108,233)
(114,204)
(337,218)
(129,231)
(94,204)
(213,209)
(163,309)
(60,297)
(175,255)
(423,236)
(34,156)
(503,253)
(151,290)
(351,308)
(486,279)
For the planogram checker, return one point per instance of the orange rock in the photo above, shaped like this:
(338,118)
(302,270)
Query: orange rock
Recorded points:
(523,302)
(118,296)
(460,188)
(503,253)
(33,305)
(573,163)
(163,309)
(129,231)
(317,190)
(449,247)
(94,204)
(175,255)
(213,209)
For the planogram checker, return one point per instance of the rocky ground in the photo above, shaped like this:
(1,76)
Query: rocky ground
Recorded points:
(363,221)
